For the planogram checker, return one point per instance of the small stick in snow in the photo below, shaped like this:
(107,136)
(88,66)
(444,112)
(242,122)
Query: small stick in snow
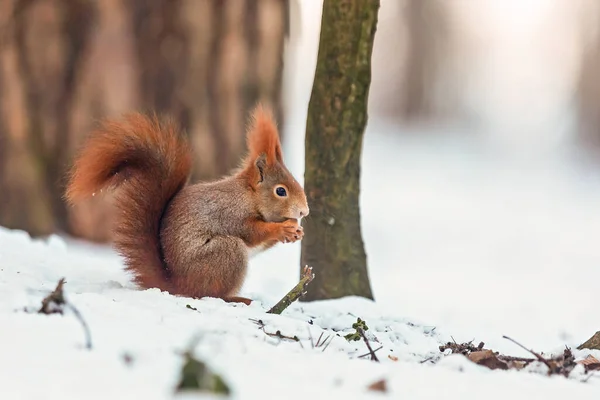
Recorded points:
(86,329)
(298,291)
(325,346)
(55,303)
(312,343)
(538,356)
(361,327)
(319,339)
(277,334)
(588,377)
(374,351)
(360,330)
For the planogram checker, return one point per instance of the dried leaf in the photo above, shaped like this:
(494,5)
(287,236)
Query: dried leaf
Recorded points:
(379,386)
(515,364)
(590,363)
(487,358)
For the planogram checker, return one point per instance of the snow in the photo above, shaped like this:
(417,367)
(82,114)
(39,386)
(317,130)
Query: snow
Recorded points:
(462,242)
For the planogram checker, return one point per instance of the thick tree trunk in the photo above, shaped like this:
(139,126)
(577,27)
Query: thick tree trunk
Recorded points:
(45,42)
(337,117)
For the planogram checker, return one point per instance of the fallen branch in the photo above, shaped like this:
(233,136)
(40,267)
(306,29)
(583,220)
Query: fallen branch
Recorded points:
(55,303)
(298,291)
(538,356)
(561,364)
(277,334)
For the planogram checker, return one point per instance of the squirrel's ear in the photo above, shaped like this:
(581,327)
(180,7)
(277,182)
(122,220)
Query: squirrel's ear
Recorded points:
(263,136)
(261,164)
(255,169)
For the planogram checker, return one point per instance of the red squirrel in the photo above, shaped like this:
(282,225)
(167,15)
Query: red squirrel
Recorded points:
(187,239)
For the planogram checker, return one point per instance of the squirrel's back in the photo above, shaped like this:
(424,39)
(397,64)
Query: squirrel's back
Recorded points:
(149,162)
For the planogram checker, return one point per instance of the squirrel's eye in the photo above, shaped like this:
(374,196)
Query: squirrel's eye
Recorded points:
(280,191)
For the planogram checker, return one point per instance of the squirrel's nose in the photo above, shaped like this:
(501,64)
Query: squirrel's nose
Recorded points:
(304,212)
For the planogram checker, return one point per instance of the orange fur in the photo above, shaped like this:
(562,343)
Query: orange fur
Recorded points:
(154,161)
(263,136)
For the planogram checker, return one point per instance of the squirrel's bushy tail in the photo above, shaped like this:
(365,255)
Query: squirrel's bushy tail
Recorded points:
(148,162)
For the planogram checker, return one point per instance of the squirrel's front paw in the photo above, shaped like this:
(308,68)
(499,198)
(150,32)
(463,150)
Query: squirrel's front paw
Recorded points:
(290,231)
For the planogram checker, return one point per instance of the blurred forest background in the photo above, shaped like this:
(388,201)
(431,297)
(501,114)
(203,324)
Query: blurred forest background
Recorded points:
(516,67)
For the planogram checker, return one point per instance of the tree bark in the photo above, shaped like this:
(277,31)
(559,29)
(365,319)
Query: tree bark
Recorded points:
(44,45)
(337,117)
(207,63)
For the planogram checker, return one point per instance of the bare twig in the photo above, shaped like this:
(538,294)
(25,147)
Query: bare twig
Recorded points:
(360,326)
(298,291)
(362,333)
(312,343)
(319,339)
(325,346)
(538,356)
(55,303)
(369,353)
(588,377)
(516,359)
(86,329)
(277,334)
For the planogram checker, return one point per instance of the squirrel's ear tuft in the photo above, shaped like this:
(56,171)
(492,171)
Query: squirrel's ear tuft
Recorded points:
(263,136)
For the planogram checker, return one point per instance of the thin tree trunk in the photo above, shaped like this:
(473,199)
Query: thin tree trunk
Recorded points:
(588,90)
(428,32)
(337,117)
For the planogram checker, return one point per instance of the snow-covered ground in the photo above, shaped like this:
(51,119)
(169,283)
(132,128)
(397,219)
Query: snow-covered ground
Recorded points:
(461,242)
